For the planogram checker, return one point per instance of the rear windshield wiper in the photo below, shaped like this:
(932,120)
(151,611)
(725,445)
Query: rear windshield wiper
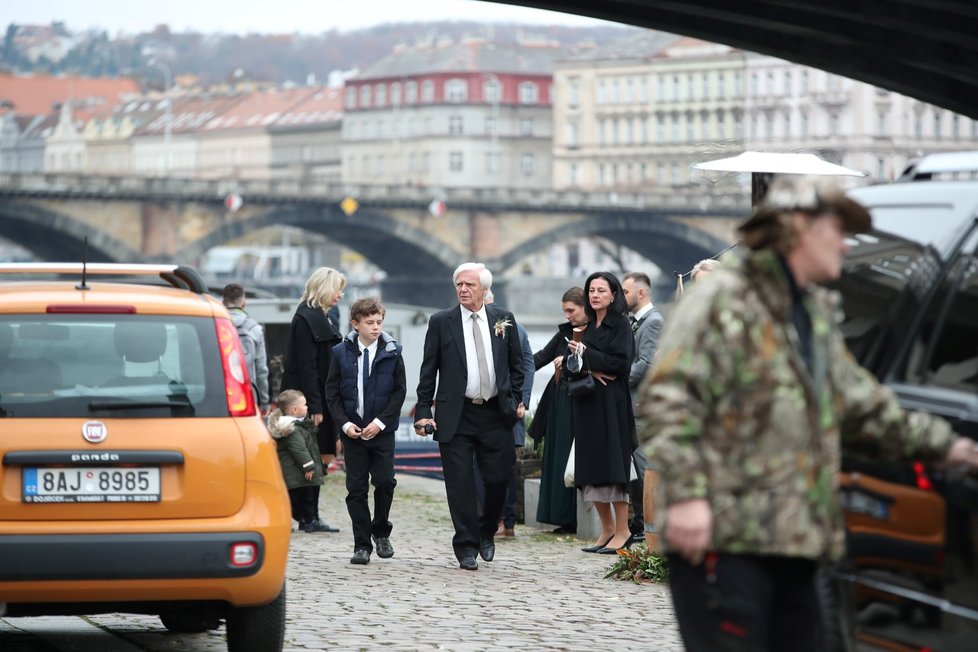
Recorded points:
(137,405)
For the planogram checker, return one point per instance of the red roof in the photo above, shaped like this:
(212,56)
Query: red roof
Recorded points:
(38,94)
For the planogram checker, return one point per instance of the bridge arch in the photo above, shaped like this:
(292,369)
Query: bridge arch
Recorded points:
(672,245)
(52,236)
(397,248)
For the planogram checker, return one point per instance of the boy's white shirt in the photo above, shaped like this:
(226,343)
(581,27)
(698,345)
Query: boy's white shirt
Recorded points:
(372,348)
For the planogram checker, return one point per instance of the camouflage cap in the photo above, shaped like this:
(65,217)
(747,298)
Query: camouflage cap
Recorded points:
(808,194)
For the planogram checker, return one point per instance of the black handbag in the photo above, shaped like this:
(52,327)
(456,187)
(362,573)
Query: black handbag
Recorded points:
(581,386)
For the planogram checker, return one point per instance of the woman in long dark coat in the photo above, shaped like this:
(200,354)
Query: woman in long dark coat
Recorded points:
(552,423)
(604,422)
(308,353)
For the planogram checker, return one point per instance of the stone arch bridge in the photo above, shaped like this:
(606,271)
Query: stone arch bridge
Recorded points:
(134,220)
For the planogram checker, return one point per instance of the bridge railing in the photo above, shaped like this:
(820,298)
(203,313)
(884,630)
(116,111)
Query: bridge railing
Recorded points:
(291,189)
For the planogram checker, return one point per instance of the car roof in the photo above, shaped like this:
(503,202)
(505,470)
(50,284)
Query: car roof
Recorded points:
(925,212)
(35,297)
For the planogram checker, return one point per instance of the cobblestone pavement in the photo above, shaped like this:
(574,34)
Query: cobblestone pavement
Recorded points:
(540,593)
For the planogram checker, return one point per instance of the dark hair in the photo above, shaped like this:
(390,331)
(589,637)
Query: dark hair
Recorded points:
(365,307)
(639,277)
(574,295)
(618,305)
(232,294)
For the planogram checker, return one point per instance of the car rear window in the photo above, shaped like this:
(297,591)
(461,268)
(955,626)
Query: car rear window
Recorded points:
(109,365)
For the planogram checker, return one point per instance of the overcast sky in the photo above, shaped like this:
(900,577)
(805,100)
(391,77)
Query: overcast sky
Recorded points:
(265,16)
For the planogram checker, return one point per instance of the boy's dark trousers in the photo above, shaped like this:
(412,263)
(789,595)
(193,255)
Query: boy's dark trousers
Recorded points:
(304,503)
(746,603)
(369,461)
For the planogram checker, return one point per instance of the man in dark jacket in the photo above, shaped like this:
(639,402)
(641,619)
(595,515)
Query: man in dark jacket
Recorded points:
(365,390)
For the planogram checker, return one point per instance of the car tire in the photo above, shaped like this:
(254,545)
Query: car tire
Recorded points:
(185,622)
(836,609)
(257,629)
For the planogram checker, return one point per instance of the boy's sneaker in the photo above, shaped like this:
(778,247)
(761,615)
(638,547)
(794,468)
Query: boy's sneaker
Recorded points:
(384,548)
(319,525)
(360,557)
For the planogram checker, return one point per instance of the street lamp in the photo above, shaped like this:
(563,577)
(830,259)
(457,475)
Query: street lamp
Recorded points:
(168,116)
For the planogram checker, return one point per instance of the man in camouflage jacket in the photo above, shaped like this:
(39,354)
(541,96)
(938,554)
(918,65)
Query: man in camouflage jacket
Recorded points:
(751,394)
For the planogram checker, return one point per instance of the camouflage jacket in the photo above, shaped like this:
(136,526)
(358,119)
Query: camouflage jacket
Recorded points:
(733,414)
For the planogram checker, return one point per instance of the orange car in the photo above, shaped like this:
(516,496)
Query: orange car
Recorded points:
(136,473)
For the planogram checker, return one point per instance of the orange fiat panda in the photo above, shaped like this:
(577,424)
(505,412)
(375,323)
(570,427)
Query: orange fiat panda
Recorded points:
(136,473)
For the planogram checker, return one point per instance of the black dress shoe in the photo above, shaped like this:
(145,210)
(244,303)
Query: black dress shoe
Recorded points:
(597,547)
(468,562)
(319,525)
(360,557)
(487,549)
(384,548)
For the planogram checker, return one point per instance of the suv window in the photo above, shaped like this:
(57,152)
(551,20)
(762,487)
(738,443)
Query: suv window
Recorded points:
(944,352)
(109,365)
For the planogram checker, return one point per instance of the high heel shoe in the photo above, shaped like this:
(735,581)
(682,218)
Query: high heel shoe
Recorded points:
(598,547)
(614,551)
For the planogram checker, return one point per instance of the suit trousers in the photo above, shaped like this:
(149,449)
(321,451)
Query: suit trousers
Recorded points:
(369,462)
(747,603)
(482,437)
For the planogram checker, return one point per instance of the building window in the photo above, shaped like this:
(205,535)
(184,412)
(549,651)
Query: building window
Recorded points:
(614,132)
(574,87)
(364,97)
(455,161)
(918,126)
(675,87)
(881,123)
(629,91)
(955,125)
(880,169)
(721,125)
(937,124)
(705,93)
(526,126)
(602,175)
(643,90)
(738,90)
(755,85)
(602,93)
(366,166)
(675,174)
(490,125)
(770,83)
(615,96)
(396,93)
(381,164)
(721,86)
(411,92)
(367,130)
(660,132)
(575,174)
(803,126)
(492,162)
(804,82)
(529,93)
(644,125)
(787,82)
(690,128)
(412,161)
(526,164)
(455,126)
(572,134)
(351,97)
(629,132)
(833,124)
(787,124)
(675,127)
(380,93)
(427,91)
(601,136)
(425,161)
(429,125)
(456,90)
(690,87)
(661,87)
(660,173)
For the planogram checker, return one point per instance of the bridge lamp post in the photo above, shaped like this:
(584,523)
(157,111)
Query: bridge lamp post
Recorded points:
(168,116)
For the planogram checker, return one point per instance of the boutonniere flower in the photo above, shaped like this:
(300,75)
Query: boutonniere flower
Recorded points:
(500,327)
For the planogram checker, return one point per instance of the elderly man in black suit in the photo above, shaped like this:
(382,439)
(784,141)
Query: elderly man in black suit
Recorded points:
(473,351)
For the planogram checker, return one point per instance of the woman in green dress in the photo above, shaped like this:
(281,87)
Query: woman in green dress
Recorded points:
(558,504)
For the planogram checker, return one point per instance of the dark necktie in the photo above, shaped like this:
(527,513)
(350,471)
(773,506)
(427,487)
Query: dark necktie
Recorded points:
(634,323)
(366,374)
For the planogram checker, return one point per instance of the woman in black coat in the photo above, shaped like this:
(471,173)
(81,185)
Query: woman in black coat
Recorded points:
(604,422)
(308,353)
(552,422)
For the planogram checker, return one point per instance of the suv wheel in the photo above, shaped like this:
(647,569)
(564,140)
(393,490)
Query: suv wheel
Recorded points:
(837,612)
(187,622)
(257,629)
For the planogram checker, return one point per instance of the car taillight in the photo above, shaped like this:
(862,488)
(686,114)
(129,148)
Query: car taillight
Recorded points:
(923,482)
(243,554)
(237,384)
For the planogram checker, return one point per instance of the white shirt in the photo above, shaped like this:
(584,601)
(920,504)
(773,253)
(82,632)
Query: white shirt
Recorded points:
(643,311)
(372,350)
(472,356)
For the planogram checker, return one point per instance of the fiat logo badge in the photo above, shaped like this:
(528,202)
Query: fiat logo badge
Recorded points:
(94,432)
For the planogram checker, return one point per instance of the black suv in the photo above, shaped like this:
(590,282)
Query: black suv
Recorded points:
(910,293)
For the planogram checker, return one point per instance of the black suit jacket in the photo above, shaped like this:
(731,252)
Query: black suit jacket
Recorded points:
(444,360)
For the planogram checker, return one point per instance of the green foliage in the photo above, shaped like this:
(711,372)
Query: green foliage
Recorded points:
(640,565)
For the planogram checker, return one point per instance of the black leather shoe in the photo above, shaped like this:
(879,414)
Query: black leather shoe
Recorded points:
(487,549)
(468,562)
(598,547)
(319,525)
(384,548)
(360,557)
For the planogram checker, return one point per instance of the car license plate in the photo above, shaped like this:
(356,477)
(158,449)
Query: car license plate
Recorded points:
(102,484)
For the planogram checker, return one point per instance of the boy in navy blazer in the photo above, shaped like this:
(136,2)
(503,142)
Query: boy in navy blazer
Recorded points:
(365,390)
